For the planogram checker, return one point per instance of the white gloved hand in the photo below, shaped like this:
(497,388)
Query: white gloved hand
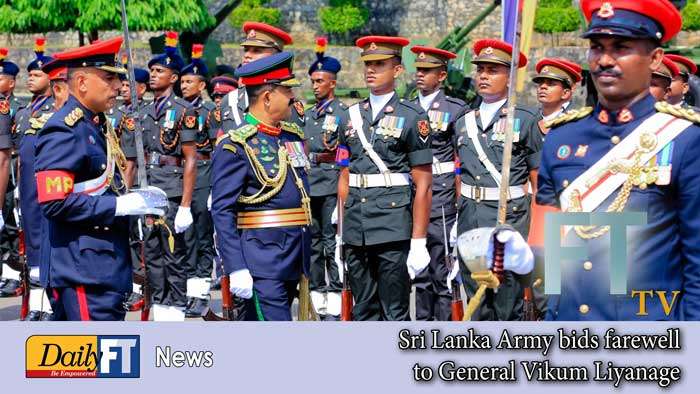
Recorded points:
(453,234)
(334,215)
(183,219)
(2,222)
(338,259)
(476,249)
(34,273)
(418,257)
(241,283)
(453,274)
(209,202)
(142,201)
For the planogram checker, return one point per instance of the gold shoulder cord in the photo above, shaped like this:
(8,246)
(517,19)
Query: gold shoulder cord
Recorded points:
(639,174)
(115,151)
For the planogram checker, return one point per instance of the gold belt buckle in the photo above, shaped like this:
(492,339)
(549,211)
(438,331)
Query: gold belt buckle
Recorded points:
(363,180)
(477,193)
(387,179)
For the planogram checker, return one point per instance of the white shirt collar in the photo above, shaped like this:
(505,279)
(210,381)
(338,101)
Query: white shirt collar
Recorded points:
(554,114)
(425,101)
(488,110)
(377,102)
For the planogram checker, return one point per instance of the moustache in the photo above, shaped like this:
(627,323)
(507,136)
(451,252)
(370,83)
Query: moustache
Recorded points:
(606,71)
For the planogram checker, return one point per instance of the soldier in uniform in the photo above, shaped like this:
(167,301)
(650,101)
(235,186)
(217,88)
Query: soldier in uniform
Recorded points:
(9,105)
(84,246)
(384,150)
(662,78)
(124,126)
(42,103)
(480,138)
(261,40)
(260,202)
(193,82)
(679,86)
(433,297)
(169,133)
(556,79)
(655,150)
(324,121)
(221,86)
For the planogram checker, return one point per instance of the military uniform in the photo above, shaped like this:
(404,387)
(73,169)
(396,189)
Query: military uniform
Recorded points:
(84,248)
(660,162)
(480,149)
(260,202)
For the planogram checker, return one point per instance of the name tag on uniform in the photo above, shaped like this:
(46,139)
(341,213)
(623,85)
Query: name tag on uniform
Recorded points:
(391,126)
(439,120)
(297,157)
(330,123)
(170,119)
(663,161)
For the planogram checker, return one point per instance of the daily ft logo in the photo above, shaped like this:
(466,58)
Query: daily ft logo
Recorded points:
(83,356)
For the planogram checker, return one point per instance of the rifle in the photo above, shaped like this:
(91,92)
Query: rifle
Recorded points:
(346,294)
(494,277)
(140,156)
(530,311)
(21,261)
(457,305)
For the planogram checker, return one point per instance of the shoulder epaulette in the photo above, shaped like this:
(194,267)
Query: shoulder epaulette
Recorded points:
(686,113)
(293,128)
(342,105)
(73,117)
(241,134)
(411,105)
(454,100)
(38,123)
(569,116)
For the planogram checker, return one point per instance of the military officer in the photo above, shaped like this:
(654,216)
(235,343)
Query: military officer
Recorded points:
(193,82)
(433,298)
(260,202)
(124,124)
(261,40)
(221,86)
(655,150)
(324,121)
(84,248)
(662,78)
(42,103)
(383,150)
(169,128)
(679,86)
(480,138)
(9,105)
(556,79)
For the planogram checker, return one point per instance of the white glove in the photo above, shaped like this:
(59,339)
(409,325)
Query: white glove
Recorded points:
(2,222)
(334,215)
(418,257)
(183,219)
(241,283)
(141,202)
(454,272)
(209,202)
(34,273)
(453,234)
(338,259)
(476,249)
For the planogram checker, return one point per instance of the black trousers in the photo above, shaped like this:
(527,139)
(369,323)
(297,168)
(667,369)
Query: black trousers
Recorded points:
(9,241)
(381,287)
(433,298)
(167,269)
(507,303)
(200,259)
(323,246)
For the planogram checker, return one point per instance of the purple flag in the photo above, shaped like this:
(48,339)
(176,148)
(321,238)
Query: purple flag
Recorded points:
(509,10)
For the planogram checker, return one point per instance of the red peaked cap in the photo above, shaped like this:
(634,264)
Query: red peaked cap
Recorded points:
(435,51)
(685,65)
(496,51)
(429,57)
(668,66)
(381,47)
(269,36)
(629,18)
(56,70)
(99,54)
(571,68)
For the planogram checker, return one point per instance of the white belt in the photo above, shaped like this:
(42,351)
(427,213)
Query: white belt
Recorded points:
(443,168)
(490,193)
(379,180)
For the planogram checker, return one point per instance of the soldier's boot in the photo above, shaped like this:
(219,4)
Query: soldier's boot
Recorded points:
(33,316)
(39,304)
(12,288)
(200,294)
(46,316)
(134,302)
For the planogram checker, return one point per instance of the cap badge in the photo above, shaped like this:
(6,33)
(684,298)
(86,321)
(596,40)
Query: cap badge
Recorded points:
(488,50)
(421,55)
(252,33)
(606,11)
(319,65)
(545,69)
(372,47)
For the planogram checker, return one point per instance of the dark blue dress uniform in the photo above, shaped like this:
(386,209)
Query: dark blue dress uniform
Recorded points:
(478,205)
(260,203)
(664,253)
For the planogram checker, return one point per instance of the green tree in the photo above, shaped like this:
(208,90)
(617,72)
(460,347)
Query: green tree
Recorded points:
(556,16)
(691,16)
(343,17)
(255,11)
